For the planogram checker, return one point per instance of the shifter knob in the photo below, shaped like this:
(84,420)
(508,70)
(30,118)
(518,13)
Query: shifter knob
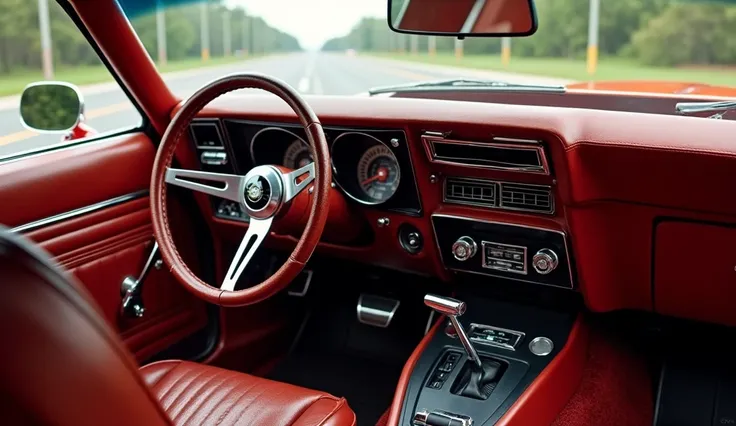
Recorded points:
(454,308)
(445,305)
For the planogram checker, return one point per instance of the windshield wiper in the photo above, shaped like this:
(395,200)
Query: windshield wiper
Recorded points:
(720,108)
(460,83)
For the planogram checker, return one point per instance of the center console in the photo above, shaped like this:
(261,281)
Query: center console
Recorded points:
(509,346)
(487,352)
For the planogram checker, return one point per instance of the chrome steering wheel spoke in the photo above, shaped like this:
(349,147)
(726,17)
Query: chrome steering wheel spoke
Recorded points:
(291,187)
(218,184)
(262,192)
(257,231)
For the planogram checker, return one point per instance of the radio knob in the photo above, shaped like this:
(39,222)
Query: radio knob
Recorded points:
(545,261)
(464,248)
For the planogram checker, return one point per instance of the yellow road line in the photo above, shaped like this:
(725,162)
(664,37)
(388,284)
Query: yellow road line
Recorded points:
(107,110)
(407,74)
(17,136)
(95,113)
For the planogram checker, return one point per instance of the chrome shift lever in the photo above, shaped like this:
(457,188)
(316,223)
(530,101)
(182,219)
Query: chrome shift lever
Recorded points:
(454,308)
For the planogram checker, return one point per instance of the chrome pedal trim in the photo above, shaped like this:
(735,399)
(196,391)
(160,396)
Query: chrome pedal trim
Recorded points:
(301,292)
(377,311)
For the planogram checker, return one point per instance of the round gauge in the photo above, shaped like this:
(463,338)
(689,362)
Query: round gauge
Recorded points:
(297,155)
(378,174)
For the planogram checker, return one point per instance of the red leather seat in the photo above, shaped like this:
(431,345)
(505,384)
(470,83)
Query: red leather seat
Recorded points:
(196,394)
(61,364)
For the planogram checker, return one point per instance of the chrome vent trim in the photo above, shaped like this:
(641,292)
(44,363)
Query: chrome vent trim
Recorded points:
(534,198)
(534,148)
(474,192)
(499,195)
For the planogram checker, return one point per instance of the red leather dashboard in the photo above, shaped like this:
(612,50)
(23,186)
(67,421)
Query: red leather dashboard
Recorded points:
(614,174)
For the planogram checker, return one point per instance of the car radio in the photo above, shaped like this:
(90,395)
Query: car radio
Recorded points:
(502,250)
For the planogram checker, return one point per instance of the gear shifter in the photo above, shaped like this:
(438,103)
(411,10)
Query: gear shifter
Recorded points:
(479,377)
(454,308)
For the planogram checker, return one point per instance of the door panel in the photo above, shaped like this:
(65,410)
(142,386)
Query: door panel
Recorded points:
(88,207)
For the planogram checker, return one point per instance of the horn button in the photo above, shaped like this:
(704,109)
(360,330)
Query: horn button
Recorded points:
(262,192)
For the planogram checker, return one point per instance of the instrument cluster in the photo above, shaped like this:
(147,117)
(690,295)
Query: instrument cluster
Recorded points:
(372,167)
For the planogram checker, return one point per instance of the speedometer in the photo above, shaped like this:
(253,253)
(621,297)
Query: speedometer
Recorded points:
(378,173)
(297,155)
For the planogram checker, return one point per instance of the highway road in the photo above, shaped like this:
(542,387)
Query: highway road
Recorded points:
(108,109)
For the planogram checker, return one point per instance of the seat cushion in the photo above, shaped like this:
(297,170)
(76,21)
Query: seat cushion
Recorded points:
(197,394)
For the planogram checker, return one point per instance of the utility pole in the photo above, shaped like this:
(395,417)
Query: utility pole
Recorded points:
(593,36)
(161,34)
(458,48)
(432,45)
(414,44)
(252,27)
(204,32)
(226,39)
(47,58)
(244,44)
(505,51)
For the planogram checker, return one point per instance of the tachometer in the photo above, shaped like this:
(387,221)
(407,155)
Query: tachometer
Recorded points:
(297,155)
(378,173)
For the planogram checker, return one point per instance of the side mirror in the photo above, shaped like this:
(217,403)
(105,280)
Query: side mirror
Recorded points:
(463,18)
(53,107)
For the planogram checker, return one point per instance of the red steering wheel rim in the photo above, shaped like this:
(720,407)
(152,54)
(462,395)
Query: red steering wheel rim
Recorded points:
(318,208)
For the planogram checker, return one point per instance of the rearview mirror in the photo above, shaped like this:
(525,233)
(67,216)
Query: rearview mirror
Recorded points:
(463,18)
(51,107)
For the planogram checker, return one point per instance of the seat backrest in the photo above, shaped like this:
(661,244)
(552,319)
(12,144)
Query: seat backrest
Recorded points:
(60,363)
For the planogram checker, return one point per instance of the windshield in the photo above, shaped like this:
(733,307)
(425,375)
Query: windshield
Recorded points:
(338,47)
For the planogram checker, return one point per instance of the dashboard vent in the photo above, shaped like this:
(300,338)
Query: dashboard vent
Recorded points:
(475,192)
(206,135)
(501,154)
(500,195)
(535,198)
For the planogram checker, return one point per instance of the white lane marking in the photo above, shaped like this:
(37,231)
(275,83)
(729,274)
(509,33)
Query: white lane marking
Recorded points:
(317,85)
(303,84)
(306,81)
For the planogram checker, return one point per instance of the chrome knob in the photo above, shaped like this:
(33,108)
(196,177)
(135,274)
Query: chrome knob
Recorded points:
(545,261)
(464,248)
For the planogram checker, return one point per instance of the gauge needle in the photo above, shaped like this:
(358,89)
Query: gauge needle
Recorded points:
(381,175)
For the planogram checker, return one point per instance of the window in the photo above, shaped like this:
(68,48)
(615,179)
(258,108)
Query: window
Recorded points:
(69,59)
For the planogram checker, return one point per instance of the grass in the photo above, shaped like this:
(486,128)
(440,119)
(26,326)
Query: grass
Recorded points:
(575,69)
(13,83)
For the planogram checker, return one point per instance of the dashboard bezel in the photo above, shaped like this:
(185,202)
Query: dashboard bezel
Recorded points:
(405,201)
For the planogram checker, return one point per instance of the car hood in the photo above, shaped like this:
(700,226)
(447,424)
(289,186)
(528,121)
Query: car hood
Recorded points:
(673,87)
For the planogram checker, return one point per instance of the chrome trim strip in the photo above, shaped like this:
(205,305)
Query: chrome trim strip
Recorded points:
(543,167)
(80,211)
(516,140)
(470,219)
(99,138)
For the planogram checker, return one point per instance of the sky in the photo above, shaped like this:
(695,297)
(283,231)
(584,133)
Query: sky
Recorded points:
(313,21)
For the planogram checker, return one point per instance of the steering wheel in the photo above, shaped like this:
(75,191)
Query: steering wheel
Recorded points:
(263,193)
